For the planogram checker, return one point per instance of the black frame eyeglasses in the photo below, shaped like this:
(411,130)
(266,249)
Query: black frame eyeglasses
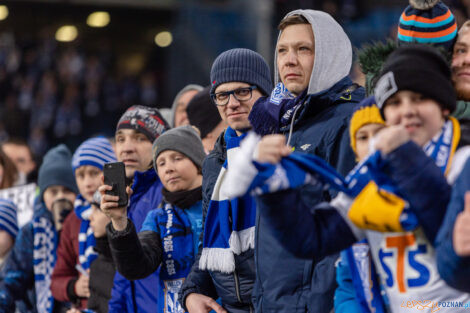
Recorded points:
(241,94)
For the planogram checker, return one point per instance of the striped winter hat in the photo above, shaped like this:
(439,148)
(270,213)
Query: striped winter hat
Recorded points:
(8,221)
(427,21)
(95,151)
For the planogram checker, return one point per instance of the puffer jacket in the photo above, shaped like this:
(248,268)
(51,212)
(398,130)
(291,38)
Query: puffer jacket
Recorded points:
(235,289)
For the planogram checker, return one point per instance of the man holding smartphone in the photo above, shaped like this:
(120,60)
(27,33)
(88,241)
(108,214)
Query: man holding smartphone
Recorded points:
(136,130)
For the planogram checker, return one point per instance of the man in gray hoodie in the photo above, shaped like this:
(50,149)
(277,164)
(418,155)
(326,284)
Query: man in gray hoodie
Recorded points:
(309,109)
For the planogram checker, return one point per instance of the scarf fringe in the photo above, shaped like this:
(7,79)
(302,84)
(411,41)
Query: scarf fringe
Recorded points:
(217,259)
(241,241)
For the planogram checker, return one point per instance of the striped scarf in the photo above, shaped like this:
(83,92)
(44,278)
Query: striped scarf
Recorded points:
(86,239)
(44,256)
(230,223)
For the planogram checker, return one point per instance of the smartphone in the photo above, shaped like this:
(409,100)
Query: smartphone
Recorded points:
(115,176)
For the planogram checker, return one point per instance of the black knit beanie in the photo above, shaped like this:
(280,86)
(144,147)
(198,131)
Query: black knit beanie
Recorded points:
(241,65)
(202,112)
(183,139)
(417,68)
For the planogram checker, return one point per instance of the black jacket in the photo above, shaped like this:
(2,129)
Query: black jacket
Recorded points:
(102,272)
(233,289)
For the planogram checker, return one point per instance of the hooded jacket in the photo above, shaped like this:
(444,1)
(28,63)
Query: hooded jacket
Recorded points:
(319,127)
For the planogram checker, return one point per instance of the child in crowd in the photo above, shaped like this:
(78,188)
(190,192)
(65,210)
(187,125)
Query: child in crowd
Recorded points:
(77,240)
(170,234)
(8,227)
(365,123)
(399,192)
(102,269)
(26,277)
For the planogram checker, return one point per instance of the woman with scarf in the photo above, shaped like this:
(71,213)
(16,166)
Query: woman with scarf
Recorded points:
(170,234)
(76,245)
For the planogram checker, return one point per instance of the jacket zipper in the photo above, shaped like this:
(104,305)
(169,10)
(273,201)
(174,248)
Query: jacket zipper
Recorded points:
(237,287)
(292,124)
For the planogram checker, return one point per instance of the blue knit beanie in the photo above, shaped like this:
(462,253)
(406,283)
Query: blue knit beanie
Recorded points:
(95,152)
(56,169)
(241,65)
(8,220)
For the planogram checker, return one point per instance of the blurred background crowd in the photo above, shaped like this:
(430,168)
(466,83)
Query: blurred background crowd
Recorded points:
(69,68)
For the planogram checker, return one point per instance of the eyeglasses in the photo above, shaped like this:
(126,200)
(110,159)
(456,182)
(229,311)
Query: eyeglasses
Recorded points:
(241,94)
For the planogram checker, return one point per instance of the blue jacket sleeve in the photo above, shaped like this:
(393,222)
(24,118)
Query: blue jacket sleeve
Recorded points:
(17,275)
(322,229)
(119,295)
(419,180)
(455,270)
(345,295)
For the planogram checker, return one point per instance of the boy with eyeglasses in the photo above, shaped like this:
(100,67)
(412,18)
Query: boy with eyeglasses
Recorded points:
(225,268)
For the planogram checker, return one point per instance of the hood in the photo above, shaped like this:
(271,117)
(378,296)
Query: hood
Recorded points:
(333,51)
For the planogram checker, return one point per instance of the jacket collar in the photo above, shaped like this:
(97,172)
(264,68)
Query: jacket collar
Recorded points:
(342,91)
(143,181)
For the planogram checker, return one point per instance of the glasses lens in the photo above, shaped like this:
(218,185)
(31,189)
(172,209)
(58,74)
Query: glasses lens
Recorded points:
(221,98)
(243,94)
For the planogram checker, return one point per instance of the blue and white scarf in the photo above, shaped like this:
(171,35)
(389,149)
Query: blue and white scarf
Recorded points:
(86,239)
(270,115)
(298,169)
(230,224)
(44,256)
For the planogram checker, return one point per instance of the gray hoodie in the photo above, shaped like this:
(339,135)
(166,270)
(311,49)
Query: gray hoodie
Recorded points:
(333,51)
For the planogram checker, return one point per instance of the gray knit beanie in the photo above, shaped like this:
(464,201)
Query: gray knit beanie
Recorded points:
(183,139)
(241,65)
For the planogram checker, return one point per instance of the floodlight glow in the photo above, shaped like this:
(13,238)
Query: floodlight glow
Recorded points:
(66,33)
(98,19)
(163,39)
(3,12)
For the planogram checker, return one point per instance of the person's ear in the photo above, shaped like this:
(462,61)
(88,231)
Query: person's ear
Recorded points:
(445,112)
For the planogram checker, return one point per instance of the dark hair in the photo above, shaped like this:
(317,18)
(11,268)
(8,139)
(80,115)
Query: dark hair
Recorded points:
(19,142)
(10,173)
(292,20)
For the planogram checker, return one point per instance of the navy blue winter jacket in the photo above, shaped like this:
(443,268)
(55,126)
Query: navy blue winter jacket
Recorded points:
(285,283)
(139,296)
(454,269)
(312,233)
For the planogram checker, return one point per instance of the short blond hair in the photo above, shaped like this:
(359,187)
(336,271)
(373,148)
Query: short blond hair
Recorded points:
(292,20)
(465,27)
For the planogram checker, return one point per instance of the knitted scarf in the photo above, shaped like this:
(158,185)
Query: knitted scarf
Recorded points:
(86,239)
(270,115)
(230,223)
(44,256)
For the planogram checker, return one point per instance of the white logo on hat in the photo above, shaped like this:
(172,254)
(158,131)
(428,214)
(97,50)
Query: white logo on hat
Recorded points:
(386,86)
